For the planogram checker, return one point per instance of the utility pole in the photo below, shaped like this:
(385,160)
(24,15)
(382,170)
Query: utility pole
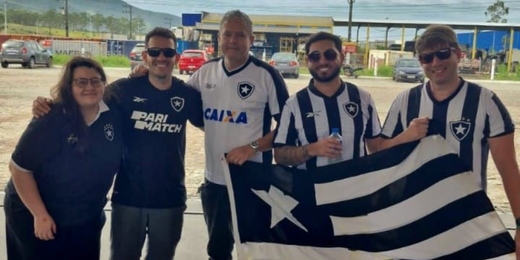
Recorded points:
(169,21)
(128,9)
(350,7)
(5,16)
(65,11)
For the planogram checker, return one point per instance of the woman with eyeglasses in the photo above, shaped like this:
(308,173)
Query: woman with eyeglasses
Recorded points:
(62,169)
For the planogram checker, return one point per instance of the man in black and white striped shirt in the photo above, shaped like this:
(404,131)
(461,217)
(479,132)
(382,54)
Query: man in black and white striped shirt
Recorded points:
(328,102)
(471,118)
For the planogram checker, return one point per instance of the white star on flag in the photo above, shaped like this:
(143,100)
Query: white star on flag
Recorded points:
(281,206)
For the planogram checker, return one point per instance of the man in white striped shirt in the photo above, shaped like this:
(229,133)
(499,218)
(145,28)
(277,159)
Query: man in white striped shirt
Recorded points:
(471,118)
(302,138)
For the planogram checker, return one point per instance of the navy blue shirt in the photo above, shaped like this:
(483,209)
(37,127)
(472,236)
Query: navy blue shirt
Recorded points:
(155,136)
(73,182)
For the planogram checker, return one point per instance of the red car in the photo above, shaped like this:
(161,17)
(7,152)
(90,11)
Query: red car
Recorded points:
(192,60)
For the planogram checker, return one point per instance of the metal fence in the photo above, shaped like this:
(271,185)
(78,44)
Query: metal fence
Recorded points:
(77,48)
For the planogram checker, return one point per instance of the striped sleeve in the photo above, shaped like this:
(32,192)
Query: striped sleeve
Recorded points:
(393,122)
(498,118)
(373,128)
(286,133)
(278,93)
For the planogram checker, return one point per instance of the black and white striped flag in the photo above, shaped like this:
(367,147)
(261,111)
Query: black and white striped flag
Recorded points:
(413,201)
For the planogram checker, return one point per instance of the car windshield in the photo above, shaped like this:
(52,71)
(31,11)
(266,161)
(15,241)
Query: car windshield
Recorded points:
(192,54)
(409,64)
(15,44)
(283,57)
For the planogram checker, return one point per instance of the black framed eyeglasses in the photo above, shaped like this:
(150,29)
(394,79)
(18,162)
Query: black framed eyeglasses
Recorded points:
(315,56)
(442,54)
(83,82)
(167,52)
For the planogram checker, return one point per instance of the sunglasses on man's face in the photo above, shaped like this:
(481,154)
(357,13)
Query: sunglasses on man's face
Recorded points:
(167,52)
(315,56)
(442,54)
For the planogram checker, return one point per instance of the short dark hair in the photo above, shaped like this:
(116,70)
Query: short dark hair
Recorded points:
(321,36)
(161,32)
(436,35)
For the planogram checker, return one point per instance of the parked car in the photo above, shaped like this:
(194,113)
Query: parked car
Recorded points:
(136,54)
(24,52)
(192,60)
(286,63)
(408,70)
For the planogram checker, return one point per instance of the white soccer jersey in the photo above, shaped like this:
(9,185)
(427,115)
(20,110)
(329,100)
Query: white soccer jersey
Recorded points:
(309,116)
(238,108)
(466,119)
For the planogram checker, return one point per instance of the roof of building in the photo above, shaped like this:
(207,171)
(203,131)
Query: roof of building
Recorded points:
(323,21)
(423,24)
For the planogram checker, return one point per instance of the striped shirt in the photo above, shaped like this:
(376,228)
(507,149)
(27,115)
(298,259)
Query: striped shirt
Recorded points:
(309,116)
(466,119)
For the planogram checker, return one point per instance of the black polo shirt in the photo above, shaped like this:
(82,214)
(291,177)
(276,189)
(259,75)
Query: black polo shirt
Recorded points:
(155,135)
(73,179)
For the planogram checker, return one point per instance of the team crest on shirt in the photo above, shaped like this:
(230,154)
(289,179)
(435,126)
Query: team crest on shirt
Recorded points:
(109,132)
(460,129)
(177,103)
(351,108)
(245,89)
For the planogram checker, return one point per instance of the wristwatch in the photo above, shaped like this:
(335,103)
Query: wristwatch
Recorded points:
(254,145)
(517,223)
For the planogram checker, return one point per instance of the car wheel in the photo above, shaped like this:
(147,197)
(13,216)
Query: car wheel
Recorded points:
(5,65)
(31,63)
(297,75)
(49,63)
(181,72)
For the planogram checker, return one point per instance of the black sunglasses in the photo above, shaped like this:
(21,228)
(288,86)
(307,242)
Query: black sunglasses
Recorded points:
(330,55)
(442,54)
(167,52)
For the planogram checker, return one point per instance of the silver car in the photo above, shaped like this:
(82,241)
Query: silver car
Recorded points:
(135,55)
(286,63)
(27,53)
(408,70)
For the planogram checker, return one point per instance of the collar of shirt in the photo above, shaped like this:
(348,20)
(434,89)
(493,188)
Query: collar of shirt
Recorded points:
(102,108)
(315,91)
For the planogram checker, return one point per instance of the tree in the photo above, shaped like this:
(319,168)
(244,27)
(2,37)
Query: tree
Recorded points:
(496,12)
(350,7)
(98,21)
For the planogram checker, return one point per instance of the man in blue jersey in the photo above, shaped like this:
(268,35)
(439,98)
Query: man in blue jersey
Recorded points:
(302,139)
(470,117)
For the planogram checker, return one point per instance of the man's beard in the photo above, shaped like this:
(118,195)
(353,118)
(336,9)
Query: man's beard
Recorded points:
(325,79)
